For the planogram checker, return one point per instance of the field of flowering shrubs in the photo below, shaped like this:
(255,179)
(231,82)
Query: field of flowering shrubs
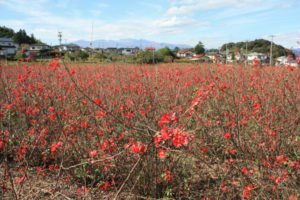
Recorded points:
(167,131)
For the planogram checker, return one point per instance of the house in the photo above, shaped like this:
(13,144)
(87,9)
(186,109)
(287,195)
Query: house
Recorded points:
(238,55)
(38,47)
(7,47)
(130,51)
(150,49)
(69,47)
(200,58)
(87,49)
(282,60)
(111,50)
(185,53)
(99,50)
(258,56)
(215,57)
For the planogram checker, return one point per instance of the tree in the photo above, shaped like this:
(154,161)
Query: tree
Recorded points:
(199,48)
(21,37)
(176,49)
(6,32)
(166,52)
(213,50)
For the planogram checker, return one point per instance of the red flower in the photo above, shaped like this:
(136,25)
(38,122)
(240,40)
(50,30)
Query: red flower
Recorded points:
(134,149)
(227,135)
(204,150)
(161,153)
(223,188)
(232,151)
(247,194)
(164,133)
(282,159)
(293,197)
(164,119)
(51,109)
(93,153)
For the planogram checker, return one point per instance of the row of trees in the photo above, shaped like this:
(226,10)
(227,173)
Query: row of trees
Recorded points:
(19,37)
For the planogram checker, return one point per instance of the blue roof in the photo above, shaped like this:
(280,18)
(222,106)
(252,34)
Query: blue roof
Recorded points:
(6,40)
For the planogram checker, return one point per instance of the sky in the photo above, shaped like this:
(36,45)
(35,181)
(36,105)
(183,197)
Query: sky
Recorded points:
(213,22)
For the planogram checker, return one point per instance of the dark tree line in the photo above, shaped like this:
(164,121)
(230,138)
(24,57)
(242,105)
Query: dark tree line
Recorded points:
(19,37)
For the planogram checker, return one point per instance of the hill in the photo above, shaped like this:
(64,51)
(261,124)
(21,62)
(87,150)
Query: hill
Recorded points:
(259,45)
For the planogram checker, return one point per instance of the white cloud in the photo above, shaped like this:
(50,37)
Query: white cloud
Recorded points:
(288,40)
(191,6)
(287,4)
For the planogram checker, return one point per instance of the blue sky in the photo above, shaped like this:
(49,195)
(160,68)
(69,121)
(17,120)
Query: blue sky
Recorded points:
(213,22)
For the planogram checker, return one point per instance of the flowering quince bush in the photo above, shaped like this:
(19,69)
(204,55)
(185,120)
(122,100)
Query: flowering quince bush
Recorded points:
(112,131)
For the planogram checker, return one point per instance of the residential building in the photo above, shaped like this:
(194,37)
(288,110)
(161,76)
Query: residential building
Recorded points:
(215,57)
(185,53)
(257,56)
(39,47)
(282,60)
(200,58)
(111,51)
(129,51)
(69,47)
(7,47)
(99,50)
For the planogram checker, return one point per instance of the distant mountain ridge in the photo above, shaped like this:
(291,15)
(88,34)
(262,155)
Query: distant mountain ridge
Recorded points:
(297,51)
(129,43)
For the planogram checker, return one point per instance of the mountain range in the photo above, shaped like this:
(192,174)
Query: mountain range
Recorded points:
(128,43)
(296,51)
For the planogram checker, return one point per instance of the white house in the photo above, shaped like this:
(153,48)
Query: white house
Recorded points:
(69,47)
(7,46)
(129,51)
(185,53)
(38,47)
(282,60)
(257,56)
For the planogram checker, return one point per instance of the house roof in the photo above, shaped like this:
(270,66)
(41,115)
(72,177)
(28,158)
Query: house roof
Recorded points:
(184,51)
(150,48)
(35,45)
(6,40)
(7,46)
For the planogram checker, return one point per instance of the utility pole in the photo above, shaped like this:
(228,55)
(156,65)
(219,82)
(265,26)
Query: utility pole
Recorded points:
(153,49)
(91,43)
(246,63)
(271,56)
(59,37)
(226,53)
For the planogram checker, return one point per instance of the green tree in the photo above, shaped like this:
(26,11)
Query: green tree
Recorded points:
(213,50)
(166,52)
(176,49)
(6,32)
(18,56)
(21,37)
(199,48)
(147,57)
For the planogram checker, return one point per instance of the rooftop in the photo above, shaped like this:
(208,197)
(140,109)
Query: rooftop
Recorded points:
(6,40)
